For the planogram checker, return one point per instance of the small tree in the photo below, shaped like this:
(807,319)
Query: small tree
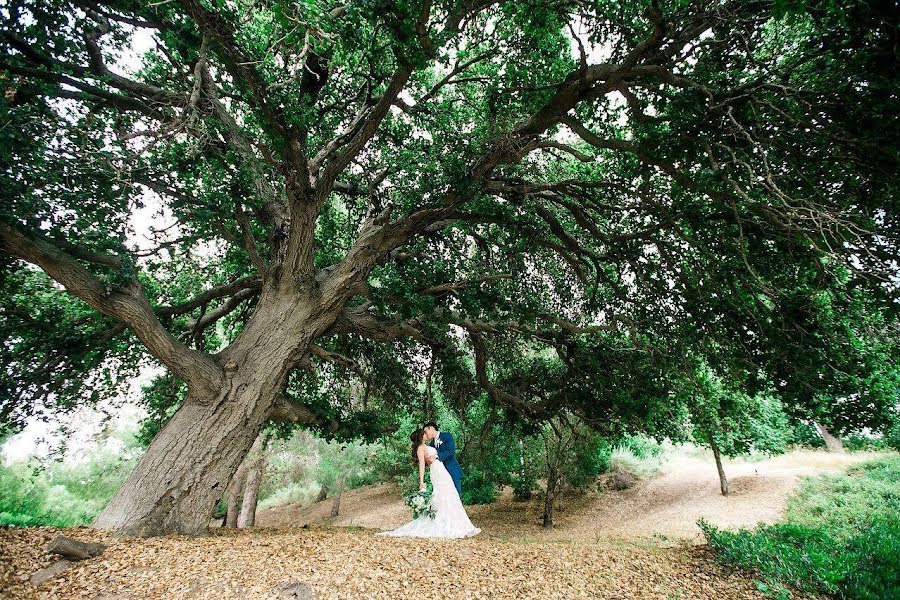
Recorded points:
(731,422)
(343,465)
(242,495)
(573,458)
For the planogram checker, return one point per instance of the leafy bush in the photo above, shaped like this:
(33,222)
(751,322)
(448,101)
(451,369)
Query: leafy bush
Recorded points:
(805,435)
(892,436)
(848,503)
(22,497)
(842,536)
(301,493)
(27,499)
(642,447)
(64,494)
(863,443)
(523,486)
(304,463)
(478,487)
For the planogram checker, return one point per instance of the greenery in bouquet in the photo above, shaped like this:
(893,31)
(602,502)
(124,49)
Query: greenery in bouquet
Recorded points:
(420,504)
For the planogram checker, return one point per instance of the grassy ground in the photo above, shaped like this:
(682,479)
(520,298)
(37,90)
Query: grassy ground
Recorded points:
(842,536)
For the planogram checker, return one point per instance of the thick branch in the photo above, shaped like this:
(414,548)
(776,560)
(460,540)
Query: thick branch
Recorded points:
(496,393)
(286,410)
(229,289)
(127,304)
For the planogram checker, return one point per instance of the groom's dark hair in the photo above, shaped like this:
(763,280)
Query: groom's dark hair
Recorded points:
(429,424)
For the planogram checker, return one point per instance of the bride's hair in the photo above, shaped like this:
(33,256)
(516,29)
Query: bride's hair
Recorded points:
(416,439)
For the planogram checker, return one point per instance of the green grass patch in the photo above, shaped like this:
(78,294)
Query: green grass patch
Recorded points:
(62,494)
(841,538)
(642,463)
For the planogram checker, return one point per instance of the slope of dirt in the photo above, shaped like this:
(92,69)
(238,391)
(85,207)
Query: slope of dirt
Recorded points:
(667,506)
(372,507)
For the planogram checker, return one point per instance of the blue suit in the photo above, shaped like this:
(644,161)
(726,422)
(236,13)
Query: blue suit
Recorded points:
(446,452)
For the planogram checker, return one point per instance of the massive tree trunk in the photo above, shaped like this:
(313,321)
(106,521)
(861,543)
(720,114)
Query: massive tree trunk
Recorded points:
(255,471)
(193,458)
(832,443)
(185,470)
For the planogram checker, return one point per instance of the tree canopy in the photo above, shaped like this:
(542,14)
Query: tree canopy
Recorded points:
(568,204)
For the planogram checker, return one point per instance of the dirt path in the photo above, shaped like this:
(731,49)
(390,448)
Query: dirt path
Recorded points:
(667,506)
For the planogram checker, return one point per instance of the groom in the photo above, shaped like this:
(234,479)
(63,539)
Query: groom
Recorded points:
(446,451)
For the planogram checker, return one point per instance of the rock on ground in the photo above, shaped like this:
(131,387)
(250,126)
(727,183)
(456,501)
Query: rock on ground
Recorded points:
(295,590)
(620,479)
(44,575)
(73,549)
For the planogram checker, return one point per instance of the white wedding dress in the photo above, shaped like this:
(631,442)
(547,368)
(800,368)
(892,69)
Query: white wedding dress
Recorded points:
(450,518)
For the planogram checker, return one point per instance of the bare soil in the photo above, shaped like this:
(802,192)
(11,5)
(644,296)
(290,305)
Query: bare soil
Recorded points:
(665,507)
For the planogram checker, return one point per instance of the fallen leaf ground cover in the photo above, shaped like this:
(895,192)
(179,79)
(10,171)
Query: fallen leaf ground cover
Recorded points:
(348,563)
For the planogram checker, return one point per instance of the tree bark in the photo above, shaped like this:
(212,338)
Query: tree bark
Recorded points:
(323,493)
(336,501)
(255,471)
(73,549)
(832,443)
(181,476)
(549,497)
(193,458)
(234,496)
(723,481)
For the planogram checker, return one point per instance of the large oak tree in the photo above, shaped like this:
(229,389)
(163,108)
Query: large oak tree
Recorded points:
(631,185)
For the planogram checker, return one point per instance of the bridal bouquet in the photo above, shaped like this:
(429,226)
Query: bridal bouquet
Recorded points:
(420,504)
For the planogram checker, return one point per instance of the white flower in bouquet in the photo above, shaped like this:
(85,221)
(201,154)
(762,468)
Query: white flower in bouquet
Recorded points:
(420,504)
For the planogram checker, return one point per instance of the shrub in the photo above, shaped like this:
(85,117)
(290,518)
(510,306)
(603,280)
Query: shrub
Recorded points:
(644,468)
(477,487)
(642,447)
(523,486)
(295,492)
(805,435)
(892,436)
(64,494)
(22,496)
(848,503)
(27,500)
(863,443)
(842,536)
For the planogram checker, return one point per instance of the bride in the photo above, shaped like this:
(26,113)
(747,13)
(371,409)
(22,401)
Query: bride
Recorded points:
(450,518)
